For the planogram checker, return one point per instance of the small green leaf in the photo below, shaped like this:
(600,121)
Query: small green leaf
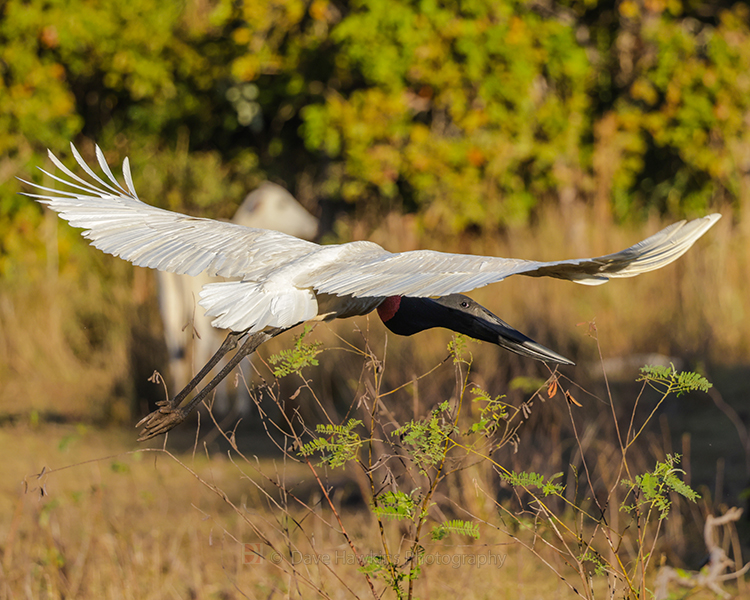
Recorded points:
(426,438)
(338,444)
(654,487)
(396,505)
(297,358)
(536,480)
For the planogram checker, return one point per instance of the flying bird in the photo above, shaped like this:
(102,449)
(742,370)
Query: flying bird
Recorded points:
(281,281)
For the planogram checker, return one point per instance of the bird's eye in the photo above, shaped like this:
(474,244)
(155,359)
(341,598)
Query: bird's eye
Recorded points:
(465,304)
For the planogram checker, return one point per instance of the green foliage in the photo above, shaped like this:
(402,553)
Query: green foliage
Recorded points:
(653,488)
(396,505)
(534,480)
(491,414)
(468,113)
(427,438)
(456,526)
(683,100)
(668,381)
(338,444)
(600,566)
(457,349)
(379,566)
(295,359)
(452,109)
(375,565)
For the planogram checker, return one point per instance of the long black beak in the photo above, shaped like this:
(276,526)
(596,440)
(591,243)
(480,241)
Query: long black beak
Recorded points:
(463,315)
(490,328)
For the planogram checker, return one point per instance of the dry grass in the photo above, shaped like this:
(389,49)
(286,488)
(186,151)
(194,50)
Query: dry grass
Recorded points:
(85,513)
(142,524)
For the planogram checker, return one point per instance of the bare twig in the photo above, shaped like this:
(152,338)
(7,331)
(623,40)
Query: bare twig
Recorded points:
(718,562)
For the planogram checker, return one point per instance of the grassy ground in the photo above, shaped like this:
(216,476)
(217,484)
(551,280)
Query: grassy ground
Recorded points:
(87,513)
(114,523)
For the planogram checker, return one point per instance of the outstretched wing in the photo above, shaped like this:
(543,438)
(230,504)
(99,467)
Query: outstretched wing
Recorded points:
(118,223)
(429,273)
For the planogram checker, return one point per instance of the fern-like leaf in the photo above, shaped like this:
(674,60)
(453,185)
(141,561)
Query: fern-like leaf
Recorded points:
(456,526)
(668,380)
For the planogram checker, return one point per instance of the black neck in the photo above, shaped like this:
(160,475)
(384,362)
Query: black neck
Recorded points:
(417,314)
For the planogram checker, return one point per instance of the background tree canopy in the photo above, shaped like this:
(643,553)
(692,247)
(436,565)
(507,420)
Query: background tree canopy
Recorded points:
(468,113)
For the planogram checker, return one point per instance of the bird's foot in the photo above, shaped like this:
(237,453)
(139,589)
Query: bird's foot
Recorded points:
(160,421)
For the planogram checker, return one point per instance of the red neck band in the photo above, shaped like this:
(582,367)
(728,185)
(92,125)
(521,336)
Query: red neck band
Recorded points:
(389,308)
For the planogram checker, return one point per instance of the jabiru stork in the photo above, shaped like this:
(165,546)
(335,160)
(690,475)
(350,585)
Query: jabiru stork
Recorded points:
(282,281)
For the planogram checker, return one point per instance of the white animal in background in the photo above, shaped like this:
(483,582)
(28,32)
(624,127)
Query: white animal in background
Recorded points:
(189,336)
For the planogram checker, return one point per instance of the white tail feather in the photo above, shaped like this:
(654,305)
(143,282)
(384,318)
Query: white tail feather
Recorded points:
(241,305)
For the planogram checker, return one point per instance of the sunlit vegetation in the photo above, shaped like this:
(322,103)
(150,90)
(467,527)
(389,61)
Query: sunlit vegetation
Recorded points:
(402,499)
(517,128)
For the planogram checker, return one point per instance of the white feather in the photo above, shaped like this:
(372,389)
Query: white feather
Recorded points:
(281,274)
(240,305)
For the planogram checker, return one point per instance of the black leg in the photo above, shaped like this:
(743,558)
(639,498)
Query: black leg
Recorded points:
(170,414)
(229,343)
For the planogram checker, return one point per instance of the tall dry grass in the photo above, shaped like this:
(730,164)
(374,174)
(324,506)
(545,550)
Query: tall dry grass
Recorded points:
(79,339)
(141,526)
(87,513)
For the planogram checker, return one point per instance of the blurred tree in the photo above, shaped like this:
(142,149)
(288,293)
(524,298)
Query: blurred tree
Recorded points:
(469,113)
(673,105)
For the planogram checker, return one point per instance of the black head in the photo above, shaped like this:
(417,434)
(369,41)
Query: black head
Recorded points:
(407,316)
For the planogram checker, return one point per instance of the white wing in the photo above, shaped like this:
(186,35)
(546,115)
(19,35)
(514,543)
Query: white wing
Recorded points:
(429,273)
(118,223)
